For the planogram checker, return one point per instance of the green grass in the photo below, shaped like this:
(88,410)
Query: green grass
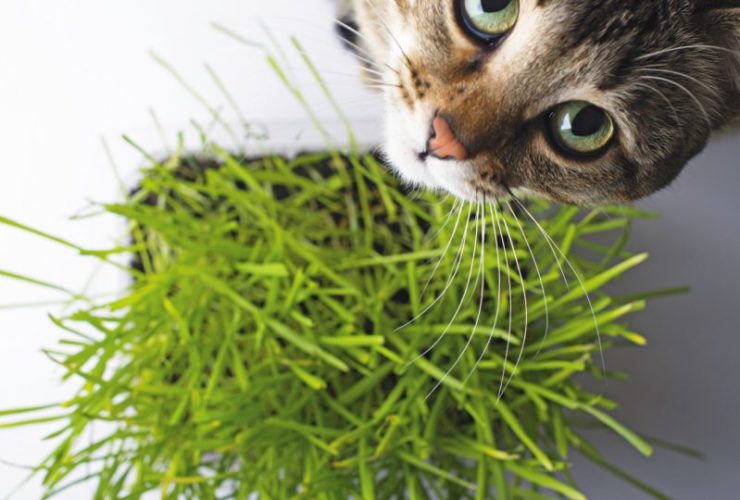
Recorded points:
(266,346)
(258,348)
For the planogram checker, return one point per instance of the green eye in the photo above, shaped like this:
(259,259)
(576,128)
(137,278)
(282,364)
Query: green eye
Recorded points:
(490,18)
(580,128)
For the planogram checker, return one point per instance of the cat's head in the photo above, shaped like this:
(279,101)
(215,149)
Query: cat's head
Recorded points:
(579,101)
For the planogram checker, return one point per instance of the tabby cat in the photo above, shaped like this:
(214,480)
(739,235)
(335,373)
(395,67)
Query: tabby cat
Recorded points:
(578,101)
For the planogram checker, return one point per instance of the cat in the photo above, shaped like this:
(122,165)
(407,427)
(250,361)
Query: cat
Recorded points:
(581,102)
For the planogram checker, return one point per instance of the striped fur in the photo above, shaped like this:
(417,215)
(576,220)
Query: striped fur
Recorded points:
(666,70)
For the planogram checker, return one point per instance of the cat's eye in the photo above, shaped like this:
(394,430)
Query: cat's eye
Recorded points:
(489,20)
(580,128)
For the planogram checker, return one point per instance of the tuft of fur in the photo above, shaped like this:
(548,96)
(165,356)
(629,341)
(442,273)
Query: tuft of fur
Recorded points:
(668,71)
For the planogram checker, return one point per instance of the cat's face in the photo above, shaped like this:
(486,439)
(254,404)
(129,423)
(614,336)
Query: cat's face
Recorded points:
(579,101)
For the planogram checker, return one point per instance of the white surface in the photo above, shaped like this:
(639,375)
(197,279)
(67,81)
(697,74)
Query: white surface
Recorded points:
(74,72)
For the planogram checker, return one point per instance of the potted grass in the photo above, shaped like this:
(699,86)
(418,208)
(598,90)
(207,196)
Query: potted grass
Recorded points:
(299,326)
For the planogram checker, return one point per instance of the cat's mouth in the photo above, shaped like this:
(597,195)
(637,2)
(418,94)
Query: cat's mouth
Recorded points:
(458,178)
(425,151)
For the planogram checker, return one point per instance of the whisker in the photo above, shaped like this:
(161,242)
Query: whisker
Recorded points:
(381,86)
(578,278)
(526,307)
(464,295)
(482,279)
(408,63)
(442,198)
(686,47)
(447,247)
(446,221)
(374,72)
(687,91)
(706,86)
(351,43)
(304,78)
(355,55)
(364,37)
(465,291)
(355,76)
(548,240)
(415,193)
(347,84)
(647,86)
(362,53)
(347,105)
(539,275)
(450,279)
(511,309)
(351,29)
(498,295)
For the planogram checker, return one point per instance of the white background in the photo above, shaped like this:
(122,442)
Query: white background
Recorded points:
(74,72)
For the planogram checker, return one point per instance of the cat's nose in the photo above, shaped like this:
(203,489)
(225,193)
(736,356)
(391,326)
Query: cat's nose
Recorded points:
(443,142)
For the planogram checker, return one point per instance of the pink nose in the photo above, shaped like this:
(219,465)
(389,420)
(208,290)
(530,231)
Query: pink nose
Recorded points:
(444,144)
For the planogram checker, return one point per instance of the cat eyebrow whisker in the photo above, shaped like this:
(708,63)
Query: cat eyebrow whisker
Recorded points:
(706,86)
(696,100)
(686,47)
(481,209)
(539,276)
(647,86)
